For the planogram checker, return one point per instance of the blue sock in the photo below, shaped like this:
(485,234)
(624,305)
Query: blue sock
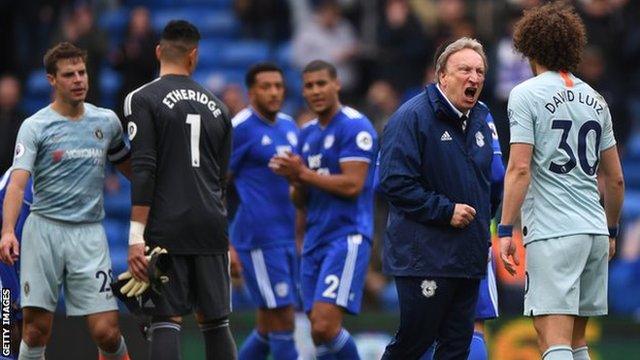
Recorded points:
(255,346)
(282,345)
(342,347)
(478,348)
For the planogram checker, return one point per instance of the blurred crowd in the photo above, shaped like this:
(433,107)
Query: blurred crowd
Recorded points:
(383,51)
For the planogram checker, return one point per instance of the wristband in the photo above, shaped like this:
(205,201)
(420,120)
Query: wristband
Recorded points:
(136,233)
(613,231)
(505,230)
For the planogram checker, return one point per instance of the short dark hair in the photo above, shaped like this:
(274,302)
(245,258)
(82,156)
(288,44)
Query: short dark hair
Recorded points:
(180,30)
(553,35)
(62,51)
(254,70)
(178,38)
(319,65)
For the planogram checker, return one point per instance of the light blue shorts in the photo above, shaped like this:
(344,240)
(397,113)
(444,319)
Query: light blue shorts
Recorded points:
(75,256)
(567,275)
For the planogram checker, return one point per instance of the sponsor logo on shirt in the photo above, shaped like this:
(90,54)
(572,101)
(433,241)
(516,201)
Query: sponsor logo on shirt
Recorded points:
(96,154)
(445,136)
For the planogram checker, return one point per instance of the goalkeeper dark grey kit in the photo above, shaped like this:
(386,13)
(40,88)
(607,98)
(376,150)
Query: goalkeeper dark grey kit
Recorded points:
(181,141)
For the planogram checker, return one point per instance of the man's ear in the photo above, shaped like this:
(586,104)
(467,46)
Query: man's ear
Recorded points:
(51,79)
(158,52)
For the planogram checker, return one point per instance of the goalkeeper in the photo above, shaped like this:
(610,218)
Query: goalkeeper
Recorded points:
(180,153)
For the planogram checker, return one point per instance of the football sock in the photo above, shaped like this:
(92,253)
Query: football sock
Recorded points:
(30,353)
(218,341)
(119,354)
(581,353)
(282,345)
(256,346)
(165,341)
(341,347)
(558,352)
(478,348)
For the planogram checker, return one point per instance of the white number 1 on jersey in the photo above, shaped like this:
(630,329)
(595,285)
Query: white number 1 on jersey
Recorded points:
(194,121)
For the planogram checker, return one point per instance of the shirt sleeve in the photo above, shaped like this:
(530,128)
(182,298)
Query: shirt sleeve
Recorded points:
(520,118)
(497,167)
(119,150)
(26,150)
(240,146)
(358,142)
(226,150)
(142,135)
(608,139)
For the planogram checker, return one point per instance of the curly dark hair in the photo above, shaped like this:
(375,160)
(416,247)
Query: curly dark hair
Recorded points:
(552,35)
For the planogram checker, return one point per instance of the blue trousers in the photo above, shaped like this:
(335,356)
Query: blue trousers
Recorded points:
(434,308)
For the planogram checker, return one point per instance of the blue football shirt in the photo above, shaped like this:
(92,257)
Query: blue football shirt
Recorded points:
(349,136)
(265,216)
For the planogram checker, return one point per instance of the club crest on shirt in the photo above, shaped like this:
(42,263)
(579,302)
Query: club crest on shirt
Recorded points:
(328,141)
(132,130)
(98,133)
(26,288)
(428,288)
(364,140)
(479,139)
(292,138)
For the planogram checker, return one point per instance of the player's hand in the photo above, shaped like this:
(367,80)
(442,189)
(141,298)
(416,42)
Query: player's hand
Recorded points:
(508,249)
(288,165)
(612,247)
(463,214)
(235,265)
(138,262)
(9,248)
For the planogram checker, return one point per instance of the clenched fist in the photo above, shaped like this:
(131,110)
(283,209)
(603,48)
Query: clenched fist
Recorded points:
(463,214)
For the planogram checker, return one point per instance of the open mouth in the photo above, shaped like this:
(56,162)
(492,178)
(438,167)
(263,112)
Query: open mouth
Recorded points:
(470,92)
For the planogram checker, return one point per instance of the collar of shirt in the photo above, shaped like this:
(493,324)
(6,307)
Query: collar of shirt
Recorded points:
(263,119)
(462,116)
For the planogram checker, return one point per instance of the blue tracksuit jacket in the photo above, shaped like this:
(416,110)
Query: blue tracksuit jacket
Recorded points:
(427,165)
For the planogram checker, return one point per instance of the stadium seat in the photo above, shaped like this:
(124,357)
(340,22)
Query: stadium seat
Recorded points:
(631,174)
(114,22)
(31,104)
(243,54)
(284,54)
(219,23)
(215,79)
(631,207)
(37,83)
(209,52)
